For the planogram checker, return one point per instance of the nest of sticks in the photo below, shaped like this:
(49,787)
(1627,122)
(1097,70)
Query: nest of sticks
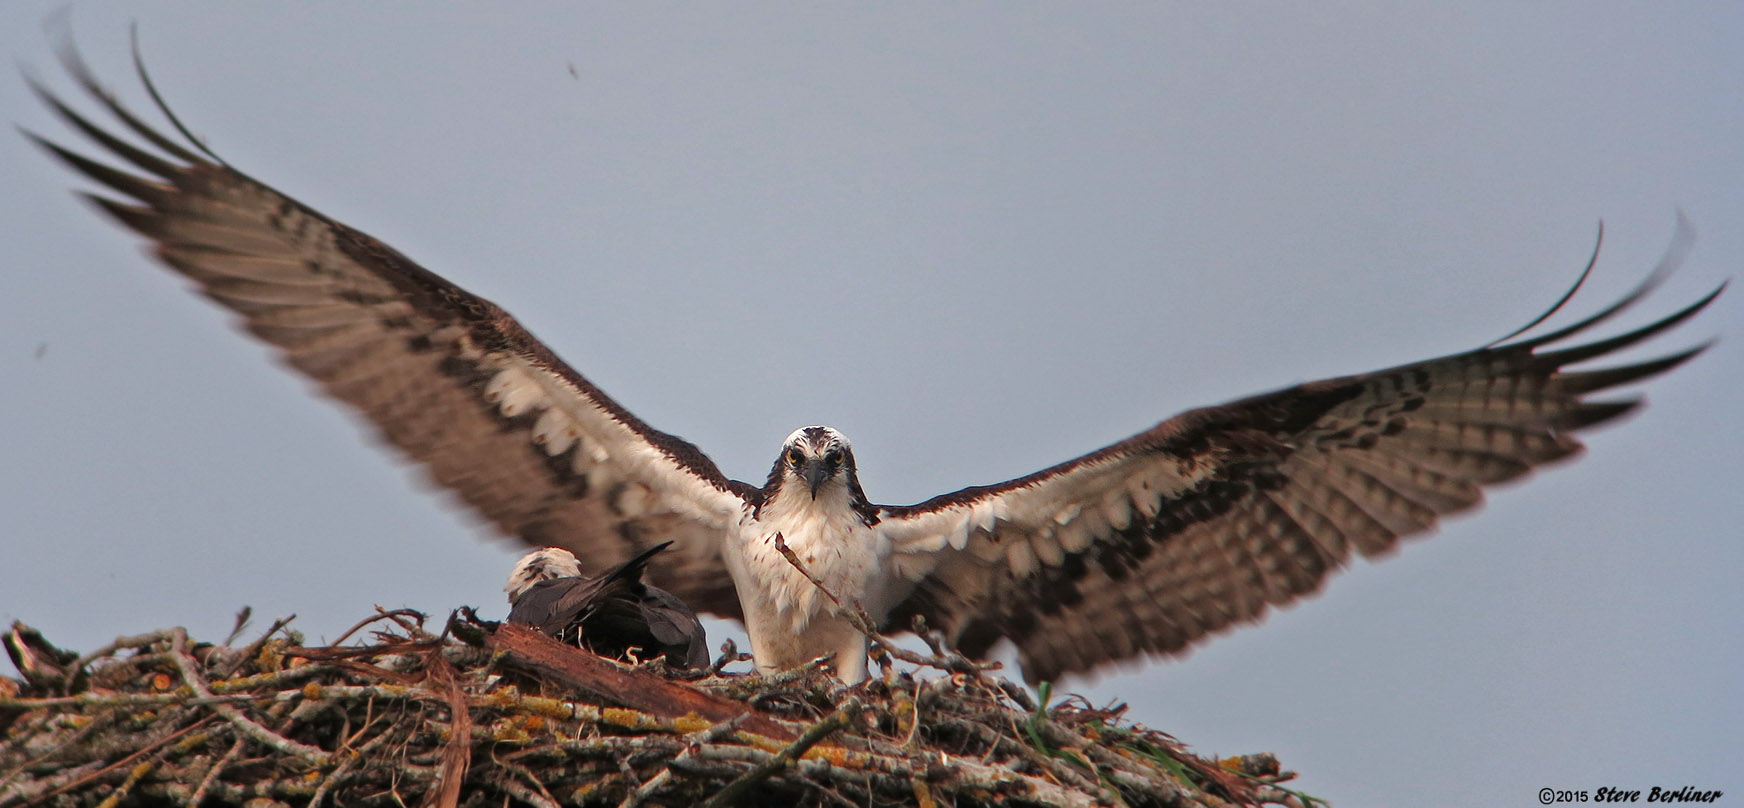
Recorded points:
(482,714)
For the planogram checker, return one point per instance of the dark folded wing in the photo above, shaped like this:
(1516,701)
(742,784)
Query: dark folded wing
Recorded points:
(556,605)
(448,378)
(1208,519)
(676,627)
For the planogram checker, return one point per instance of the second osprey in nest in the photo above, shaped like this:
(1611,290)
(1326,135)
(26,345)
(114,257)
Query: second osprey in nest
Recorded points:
(1142,548)
(614,615)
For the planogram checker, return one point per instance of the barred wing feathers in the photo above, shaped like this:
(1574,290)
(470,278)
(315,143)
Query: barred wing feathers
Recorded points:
(447,377)
(1205,521)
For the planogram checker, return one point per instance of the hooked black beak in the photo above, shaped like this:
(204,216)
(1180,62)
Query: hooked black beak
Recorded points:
(815,473)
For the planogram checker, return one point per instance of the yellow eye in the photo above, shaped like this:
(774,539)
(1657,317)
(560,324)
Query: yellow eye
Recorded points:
(794,457)
(833,457)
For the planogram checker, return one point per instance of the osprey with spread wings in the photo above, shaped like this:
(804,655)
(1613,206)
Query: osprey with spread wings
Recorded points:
(1142,548)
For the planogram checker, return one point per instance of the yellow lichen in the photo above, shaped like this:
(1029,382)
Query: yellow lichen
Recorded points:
(190,743)
(269,658)
(133,776)
(763,742)
(838,756)
(690,722)
(582,793)
(509,731)
(923,794)
(550,708)
(632,719)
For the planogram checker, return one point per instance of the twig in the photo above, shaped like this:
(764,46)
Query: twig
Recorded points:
(252,649)
(692,742)
(731,794)
(729,655)
(525,794)
(216,769)
(959,775)
(21,790)
(343,770)
(235,716)
(99,773)
(856,615)
(414,627)
(457,752)
(509,782)
(136,641)
(602,748)
(944,656)
(879,642)
(878,646)
(78,740)
(120,793)
(379,616)
(242,617)
(173,699)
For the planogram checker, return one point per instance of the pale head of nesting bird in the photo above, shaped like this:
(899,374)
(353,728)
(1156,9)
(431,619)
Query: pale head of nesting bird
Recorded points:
(542,564)
(815,459)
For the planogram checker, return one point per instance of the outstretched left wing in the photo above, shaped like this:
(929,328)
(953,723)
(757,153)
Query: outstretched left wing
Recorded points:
(1212,517)
(447,377)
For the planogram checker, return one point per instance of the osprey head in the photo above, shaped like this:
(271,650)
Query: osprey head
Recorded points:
(815,456)
(542,564)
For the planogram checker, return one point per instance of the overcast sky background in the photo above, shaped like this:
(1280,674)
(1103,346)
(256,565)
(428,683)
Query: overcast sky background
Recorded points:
(979,239)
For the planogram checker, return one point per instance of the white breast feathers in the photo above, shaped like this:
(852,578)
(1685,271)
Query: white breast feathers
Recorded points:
(789,621)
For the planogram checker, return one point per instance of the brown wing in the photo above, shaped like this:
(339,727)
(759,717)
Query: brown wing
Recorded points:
(447,377)
(1207,520)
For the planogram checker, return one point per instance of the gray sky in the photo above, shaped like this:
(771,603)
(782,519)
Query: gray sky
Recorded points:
(978,239)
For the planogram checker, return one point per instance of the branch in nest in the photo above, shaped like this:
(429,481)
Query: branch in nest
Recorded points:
(786,757)
(950,662)
(248,726)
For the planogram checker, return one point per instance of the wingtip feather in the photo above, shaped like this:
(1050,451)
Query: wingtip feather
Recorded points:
(1682,238)
(1579,281)
(141,220)
(1589,414)
(1596,380)
(1579,353)
(132,185)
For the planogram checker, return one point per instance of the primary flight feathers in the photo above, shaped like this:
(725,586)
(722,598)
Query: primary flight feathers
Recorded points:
(1145,547)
